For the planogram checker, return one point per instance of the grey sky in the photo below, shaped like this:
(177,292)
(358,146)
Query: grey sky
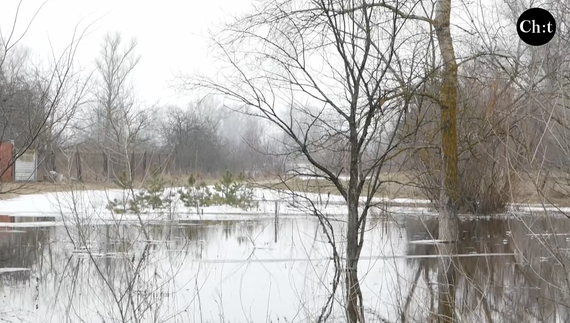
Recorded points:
(171,34)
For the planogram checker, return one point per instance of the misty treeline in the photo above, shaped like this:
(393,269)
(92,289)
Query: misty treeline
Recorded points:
(200,137)
(57,107)
(207,139)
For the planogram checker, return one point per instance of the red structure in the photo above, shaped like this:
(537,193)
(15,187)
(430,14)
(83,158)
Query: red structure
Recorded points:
(6,219)
(6,169)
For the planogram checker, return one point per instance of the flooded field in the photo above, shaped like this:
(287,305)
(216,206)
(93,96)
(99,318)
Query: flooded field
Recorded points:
(508,270)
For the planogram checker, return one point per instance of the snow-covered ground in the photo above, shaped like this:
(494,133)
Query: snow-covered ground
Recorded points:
(90,207)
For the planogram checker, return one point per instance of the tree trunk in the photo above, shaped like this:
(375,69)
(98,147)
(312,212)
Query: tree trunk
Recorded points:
(353,293)
(352,284)
(448,109)
(446,283)
(448,221)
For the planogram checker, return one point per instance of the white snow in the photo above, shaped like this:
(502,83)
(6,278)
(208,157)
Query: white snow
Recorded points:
(11,270)
(435,241)
(90,207)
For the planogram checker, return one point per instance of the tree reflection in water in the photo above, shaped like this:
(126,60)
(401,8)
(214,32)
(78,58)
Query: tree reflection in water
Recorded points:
(530,286)
(159,277)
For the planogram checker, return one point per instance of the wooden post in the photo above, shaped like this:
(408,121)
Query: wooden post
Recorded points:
(78,165)
(105,166)
(53,162)
(144,163)
(276,211)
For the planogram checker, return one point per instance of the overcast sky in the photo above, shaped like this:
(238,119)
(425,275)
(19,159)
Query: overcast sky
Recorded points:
(172,34)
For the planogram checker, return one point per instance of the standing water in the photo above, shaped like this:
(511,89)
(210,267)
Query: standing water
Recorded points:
(510,270)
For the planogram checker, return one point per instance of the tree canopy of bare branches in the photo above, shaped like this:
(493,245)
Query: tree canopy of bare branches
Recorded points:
(335,77)
(38,100)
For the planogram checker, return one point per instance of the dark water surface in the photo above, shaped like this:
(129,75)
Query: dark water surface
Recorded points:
(508,270)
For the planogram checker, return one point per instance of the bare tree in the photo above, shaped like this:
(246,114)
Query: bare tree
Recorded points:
(540,75)
(37,101)
(328,74)
(117,119)
(194,139)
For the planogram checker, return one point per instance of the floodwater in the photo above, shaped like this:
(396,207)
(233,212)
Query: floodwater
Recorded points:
(509,269)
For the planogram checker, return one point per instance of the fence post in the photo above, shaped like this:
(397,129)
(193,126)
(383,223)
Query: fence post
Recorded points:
(144,163)
(53,161)
(276,210)
(78,165)
(105,166)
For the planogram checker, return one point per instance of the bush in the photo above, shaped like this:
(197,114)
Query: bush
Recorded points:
(125,205)
(194,195)
(150,197)
(490,145)
(230,190)
(234,191)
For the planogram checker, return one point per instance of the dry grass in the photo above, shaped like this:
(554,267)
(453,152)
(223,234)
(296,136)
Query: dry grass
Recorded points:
(551,189)
(394,185)
(554,190)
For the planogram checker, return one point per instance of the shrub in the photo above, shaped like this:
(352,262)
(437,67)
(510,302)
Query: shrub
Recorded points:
(234,191)
(490,144)
(193,194)
(150,197)
(230,190)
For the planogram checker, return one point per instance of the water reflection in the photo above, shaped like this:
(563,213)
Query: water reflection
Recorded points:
(529,286)
(240,271)
(22,249)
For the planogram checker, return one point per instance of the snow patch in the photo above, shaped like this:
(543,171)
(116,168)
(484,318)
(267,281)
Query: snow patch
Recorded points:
(14,269)
(428,242)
